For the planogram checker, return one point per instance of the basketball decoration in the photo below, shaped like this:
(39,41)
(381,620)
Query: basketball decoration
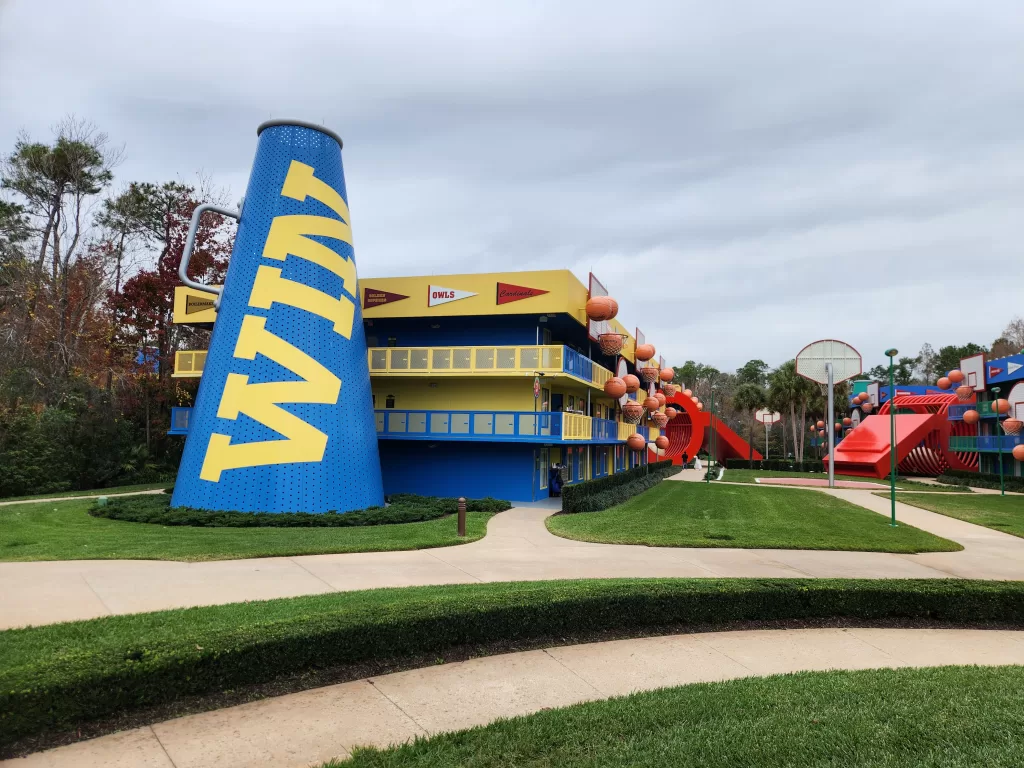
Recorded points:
(636,442)
(847,421)
(700,406)
(956,375)
(1018,452)
(688,392)
(632,383)
(651,403)
(632,412)
(837,426)
(671,412)
(667,374)
(1000,406)
(965,392)
(813,428)
(662,400)
(695,399)
(615,387)
(611,343)
(644,352)
(971,417)
(821,433)
(601,308)
(660,420)
(662,443)
(649,374)
(1012,426)
(820,425)
(847,432)
(944,383)
(867,407)
(669,390)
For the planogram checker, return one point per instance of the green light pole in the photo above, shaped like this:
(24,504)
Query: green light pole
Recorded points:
(711,437)
(891,353)
(999,440)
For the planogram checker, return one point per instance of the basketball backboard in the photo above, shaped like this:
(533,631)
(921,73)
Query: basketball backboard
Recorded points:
(872,391)
(973,369)
(768,417)
(596,327)
(1016,401)
(846,361)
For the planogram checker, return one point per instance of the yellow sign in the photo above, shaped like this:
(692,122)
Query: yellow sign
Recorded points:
(192,307)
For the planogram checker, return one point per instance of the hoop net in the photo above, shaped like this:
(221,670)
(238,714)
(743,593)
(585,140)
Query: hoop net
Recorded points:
(846,362)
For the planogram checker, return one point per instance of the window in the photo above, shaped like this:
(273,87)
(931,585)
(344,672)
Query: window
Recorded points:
(371,341)
(389,401)
(545,399)
(392,341)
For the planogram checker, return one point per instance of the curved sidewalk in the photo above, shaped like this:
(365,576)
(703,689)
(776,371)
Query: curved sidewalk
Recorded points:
(518,547)
(313,726)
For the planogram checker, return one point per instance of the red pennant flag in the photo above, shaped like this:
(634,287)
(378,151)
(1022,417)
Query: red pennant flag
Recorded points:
(373,297)
(508,293)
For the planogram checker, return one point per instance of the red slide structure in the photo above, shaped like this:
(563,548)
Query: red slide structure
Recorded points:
(689,432)
(923,430)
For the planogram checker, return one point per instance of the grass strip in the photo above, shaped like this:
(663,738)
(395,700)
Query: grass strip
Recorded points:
(681,514)
(942,717)
(56,678)
(751,476)
(1000,513)
(64,530)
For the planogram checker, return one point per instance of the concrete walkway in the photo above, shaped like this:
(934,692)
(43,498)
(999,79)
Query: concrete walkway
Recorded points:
(313,726)
(80,498)
(518,547)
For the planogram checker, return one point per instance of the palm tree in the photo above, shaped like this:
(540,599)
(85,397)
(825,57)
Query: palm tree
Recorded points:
(749,398)
(788,391)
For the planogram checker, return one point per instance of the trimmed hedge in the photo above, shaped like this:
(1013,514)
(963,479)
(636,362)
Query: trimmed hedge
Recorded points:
(57,677)
(777,465)
(404,508)
(604,492)
(981,480)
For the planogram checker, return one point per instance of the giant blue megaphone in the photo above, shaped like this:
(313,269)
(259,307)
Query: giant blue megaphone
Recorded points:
(283,421)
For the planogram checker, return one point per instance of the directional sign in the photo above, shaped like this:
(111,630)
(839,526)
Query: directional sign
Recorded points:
(192,307)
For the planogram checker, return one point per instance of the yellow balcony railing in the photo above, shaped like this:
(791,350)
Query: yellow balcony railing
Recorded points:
(576,427)
(625,430)
(497,361)
(189,363)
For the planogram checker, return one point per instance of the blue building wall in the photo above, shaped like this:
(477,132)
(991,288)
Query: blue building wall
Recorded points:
(454,332)
(501,470)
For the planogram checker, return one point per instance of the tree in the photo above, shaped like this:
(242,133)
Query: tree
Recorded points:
(903,371)
(790,391)
(949,357)
(753,372)
(749,398)
(1011,340)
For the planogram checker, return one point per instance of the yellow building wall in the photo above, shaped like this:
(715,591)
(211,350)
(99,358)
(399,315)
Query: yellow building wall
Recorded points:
(456,394)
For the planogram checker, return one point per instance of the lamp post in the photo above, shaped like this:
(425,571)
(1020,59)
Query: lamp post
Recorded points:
(999,439)
(891,353)
(711,437)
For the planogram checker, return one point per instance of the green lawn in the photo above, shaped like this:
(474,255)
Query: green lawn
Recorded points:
(751,475)
(64,530)
(939,717)
(93,492)
(1001,513)
(699,515)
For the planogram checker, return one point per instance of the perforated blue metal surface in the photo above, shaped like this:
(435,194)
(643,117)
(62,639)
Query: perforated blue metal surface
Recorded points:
(348,475)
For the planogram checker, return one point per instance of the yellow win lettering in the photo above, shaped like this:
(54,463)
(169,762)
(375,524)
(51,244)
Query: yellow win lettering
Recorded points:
(270,288)
(290,235)
(303,442)
(300,183)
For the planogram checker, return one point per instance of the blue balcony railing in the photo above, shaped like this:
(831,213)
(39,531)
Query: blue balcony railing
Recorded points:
(494,426)
(956,412)
(180,418)
(991,442)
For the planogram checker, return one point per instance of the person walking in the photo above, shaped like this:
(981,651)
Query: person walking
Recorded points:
(696,463)
(686,460)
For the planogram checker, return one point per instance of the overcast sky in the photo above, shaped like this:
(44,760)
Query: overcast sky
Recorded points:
(745,177)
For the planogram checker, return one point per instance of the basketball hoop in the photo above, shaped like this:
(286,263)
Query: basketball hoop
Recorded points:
(828,362)
(768,417)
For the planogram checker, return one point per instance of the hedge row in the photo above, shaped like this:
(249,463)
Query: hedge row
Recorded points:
(58,677)
(604,492)
(981,480)
(404,508)
(777,465)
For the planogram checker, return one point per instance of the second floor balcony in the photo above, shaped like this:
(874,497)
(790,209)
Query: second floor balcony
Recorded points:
(985,443)
(500,426)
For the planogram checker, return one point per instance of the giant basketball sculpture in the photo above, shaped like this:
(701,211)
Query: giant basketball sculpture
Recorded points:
(283,421)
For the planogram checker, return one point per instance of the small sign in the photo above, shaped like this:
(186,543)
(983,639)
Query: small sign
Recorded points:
(373,297)
(536,387)
(507,293)
(437,295)
(195,304)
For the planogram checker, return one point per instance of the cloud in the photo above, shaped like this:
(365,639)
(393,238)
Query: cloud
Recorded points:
(745,177)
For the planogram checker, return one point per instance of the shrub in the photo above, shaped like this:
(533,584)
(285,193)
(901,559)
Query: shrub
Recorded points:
(604,492)
(404,508)
(981,480)
(61,676)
